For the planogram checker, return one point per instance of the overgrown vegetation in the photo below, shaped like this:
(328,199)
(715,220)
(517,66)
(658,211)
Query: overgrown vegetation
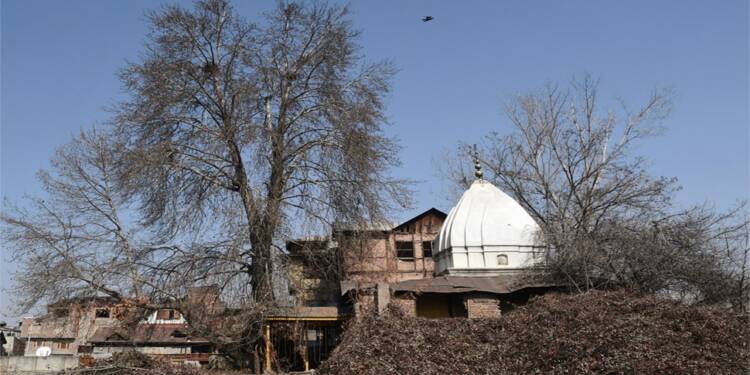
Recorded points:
(136,363)
(590,333)
(571,162)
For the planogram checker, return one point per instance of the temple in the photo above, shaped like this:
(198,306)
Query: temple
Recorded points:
(480,259)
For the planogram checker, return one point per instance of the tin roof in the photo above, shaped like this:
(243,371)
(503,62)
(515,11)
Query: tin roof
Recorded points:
(147,334)
(462,284)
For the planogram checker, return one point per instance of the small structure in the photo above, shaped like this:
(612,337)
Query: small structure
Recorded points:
(167,338)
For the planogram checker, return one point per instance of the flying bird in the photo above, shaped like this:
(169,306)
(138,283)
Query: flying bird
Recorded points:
(427,18)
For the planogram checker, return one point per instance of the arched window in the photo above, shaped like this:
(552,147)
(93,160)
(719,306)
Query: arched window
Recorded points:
(502,260)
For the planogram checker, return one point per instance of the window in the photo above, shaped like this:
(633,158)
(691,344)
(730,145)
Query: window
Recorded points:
(427,249)
(102,313)
(117,337)
(502,260)
(168,314)
(404,250)
(200,349)
(63,345)
(404,229)
(178,333)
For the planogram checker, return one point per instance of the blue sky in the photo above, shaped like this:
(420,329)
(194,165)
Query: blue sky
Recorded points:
(59,60)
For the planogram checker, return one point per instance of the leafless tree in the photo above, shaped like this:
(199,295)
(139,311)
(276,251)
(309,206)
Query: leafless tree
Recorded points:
(282,120)
(234,137)
(698,254)
(606,220)
(75,241)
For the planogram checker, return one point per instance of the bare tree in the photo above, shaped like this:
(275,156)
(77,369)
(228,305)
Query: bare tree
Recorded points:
(235,137)
(283,120)
(606,220)
(569,165)
(698,255)
(75,241)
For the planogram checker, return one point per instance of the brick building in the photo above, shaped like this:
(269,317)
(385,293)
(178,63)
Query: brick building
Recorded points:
(94,327)
(68,324)
(334,277)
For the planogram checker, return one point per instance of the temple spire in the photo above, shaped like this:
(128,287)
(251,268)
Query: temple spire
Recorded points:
(477,164)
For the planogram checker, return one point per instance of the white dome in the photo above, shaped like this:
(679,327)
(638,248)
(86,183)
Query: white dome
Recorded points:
(486,230)
(486,216)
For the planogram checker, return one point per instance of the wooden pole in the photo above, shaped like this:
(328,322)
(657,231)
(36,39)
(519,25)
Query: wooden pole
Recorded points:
(307,361)
(304,340)
(268,348)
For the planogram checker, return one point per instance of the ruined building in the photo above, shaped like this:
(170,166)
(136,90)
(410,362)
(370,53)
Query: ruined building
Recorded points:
(481,258)
(335,277)
(96,327)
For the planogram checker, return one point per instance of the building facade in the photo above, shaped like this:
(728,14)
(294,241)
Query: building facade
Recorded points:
(94,328)
(335,277)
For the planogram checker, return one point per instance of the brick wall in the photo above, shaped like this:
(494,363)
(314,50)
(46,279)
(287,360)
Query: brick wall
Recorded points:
(482,306)
(408,304)
(363,304)
(374,258)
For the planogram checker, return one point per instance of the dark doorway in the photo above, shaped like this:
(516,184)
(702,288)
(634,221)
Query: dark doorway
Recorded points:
(300,344)
(441,305)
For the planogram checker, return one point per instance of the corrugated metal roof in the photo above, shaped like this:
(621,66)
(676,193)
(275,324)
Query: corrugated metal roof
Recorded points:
(309,312)
(462,284)
(147,334)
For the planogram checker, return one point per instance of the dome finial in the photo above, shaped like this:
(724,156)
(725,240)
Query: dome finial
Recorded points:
(477,164)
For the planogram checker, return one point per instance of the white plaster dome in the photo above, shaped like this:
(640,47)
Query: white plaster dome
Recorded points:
(486,230)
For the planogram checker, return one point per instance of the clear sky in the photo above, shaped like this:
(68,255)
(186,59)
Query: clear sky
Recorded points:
(59,60)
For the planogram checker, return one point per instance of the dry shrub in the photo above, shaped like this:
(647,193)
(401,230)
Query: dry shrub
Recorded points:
(596,332)
(136,363)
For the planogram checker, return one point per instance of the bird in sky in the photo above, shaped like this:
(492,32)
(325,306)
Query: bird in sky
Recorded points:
(427,18)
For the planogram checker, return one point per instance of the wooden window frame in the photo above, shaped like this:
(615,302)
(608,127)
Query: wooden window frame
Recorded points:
(425,249)
(402,248)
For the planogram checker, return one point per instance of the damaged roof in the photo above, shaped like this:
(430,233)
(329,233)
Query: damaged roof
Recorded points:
(431,211)
(309,313)
(462,284)
(147,334)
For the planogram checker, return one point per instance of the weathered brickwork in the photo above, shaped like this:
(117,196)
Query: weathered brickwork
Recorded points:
(482,306)
(407,304)
(363,304)
(373,257)
(318,265)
